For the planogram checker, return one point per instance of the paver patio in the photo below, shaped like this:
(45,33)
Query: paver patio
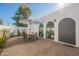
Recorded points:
(17,47)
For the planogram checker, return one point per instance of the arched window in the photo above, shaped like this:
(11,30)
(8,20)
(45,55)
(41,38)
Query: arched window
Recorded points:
(41,30)
(50,30)
(50,24)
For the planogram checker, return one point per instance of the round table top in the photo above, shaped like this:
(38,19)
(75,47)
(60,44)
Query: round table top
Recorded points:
(30,33)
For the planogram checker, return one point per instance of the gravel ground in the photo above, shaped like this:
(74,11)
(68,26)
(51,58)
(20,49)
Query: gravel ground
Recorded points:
(17,47)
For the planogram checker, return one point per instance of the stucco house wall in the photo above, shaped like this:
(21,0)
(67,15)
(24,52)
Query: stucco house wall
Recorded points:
(71,11)
(33,25)
(34,28)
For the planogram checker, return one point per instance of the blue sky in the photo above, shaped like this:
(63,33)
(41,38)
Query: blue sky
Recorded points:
(38,10)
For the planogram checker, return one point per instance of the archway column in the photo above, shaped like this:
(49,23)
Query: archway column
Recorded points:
(56,32)
(44,31)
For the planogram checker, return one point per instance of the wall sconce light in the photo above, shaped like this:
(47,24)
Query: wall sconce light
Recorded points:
(48,29)
(54,20)
(52,29)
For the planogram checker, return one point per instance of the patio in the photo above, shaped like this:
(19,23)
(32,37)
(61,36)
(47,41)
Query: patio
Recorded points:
(17,47)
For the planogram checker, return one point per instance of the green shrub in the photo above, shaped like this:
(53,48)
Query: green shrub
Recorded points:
(2,40)
(3,37)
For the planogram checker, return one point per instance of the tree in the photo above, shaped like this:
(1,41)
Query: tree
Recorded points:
(23,12)
(1,22)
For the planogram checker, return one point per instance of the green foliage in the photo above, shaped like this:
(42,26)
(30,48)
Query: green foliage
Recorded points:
(1,21)
(2,40)
(41,25)
(49,33)
(41,34)
(22,13)
(3,37)
(22,25)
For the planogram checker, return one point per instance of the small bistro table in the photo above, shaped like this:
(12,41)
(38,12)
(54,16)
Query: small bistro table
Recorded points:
(30,36)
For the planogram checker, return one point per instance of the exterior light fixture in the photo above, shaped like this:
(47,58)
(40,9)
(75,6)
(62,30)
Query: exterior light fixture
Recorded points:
(54,20)
(48,29)
(52,29)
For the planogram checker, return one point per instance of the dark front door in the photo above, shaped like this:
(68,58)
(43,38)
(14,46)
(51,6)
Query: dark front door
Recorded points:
(67,31)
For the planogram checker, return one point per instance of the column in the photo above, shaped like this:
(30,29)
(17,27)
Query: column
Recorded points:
(44,31)
(56,32)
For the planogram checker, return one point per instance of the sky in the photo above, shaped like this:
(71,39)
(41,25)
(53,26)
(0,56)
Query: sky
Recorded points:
(7,10)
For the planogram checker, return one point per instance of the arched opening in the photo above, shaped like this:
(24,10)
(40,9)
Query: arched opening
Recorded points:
(41,30)
(66,31)
(50,30)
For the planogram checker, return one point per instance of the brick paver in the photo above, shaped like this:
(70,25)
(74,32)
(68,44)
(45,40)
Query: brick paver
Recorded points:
(17,47)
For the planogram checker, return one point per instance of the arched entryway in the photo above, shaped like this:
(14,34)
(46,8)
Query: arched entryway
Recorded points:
(41,30)
(67,31)
(50,30)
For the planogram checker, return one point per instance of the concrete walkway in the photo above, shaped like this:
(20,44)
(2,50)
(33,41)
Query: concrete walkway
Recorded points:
(17,47)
